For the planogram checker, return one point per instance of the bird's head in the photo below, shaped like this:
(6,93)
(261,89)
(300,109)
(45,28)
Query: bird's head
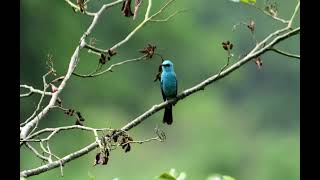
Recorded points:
(167,66)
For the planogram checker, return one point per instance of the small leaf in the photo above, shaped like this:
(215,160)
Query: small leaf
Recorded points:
(166,176)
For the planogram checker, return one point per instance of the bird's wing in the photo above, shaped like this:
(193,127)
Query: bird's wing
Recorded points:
(163,96)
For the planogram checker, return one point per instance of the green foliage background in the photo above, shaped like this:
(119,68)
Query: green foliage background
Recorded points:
(245,126)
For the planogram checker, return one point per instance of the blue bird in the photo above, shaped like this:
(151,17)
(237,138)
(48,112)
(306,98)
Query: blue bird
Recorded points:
(169,88)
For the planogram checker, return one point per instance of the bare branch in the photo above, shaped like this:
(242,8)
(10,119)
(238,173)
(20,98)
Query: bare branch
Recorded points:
(33,90)
(147,19)
(284,53)
(208,81)
(260,48)
(272,16)
(37,153)
(72,65)
(45,86)
(254,53)
(169,17)
(146,16)
(161,9)
(144,141)
(58,129)
(94,49)
(294,14)
(228,62)
(74,6)
(110,69)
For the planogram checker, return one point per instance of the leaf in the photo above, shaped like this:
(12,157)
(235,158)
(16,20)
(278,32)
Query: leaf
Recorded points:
(166,176)
(23,178)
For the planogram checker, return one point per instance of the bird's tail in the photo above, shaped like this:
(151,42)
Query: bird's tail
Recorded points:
(167,118)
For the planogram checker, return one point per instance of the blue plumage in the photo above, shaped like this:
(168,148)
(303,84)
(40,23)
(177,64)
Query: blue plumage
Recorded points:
(169,88)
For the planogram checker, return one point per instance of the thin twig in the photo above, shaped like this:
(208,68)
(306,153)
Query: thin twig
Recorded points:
(37,153)
(110,69)
(48,151)
(32,90)
(147,19)
(141,142)
(58,129)
(272,16)
(45,86)
(294,14)
(77,8)
(94,49)
(285,53)
(169,17)
(228,62)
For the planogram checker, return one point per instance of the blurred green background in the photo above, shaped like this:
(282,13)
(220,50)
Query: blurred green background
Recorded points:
(246,125)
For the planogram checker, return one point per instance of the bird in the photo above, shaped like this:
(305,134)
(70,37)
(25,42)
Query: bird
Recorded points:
(169,88)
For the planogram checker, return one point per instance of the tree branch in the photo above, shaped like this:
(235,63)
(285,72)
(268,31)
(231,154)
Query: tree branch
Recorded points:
(77,8)
(147,19)
(254,53)
(45,86)
(169,17)
(37,153)
(72,65)
(33,90)
(110,69)
(294,14)
(260,48)
(284,53)
(58,129)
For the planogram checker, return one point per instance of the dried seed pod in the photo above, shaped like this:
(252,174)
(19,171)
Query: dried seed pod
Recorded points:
(258,61)
(126,8)
(102,58)
(251,25)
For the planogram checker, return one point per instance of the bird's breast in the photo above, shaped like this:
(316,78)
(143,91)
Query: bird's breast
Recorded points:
(169,84)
